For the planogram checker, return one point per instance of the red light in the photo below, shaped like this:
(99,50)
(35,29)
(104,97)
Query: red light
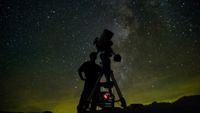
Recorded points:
(106,96)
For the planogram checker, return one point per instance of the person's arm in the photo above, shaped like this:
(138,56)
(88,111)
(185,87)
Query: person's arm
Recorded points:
(80,70)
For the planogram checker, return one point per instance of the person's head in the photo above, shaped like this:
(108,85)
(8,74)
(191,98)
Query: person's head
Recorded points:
(93,56)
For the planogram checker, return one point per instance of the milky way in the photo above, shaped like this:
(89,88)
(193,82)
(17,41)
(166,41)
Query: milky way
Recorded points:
(43,43)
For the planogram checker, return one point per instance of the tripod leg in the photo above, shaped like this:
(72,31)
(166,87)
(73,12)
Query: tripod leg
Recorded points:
(123,102)
(94,88)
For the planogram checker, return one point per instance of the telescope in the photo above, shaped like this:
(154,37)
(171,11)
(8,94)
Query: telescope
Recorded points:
(104,45)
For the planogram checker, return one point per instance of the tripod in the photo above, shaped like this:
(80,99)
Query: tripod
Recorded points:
(109,85)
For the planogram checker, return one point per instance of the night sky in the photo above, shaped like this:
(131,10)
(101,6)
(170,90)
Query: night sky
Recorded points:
(43,43)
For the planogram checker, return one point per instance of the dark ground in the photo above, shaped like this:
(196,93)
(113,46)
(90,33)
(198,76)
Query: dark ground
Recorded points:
(186,104)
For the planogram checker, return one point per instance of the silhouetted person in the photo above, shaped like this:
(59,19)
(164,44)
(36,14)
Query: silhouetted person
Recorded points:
(91,73)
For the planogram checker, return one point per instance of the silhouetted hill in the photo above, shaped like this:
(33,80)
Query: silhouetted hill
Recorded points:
(186,104)
(188,101)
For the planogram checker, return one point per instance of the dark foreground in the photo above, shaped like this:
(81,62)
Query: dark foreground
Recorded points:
(187,104)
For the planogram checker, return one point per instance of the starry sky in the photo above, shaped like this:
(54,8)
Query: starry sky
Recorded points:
(43,43)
